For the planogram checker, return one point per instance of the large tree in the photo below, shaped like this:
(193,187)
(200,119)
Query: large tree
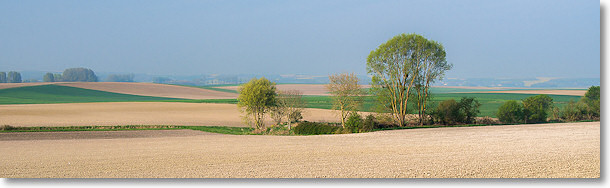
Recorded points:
(346,94)
(256,98)
(79,75)
(432,69)
(535,108)
(400,64)
(48,77)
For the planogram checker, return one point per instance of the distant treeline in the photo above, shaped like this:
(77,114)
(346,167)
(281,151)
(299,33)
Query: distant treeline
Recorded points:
(11,77)
(71,75)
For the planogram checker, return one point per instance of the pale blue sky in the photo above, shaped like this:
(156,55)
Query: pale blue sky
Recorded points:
(501,39)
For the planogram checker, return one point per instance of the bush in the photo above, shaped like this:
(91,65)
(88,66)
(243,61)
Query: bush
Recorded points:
(448,113)
(313,128)
(535,108)
(354,122)
(511,112)
(575,111)
(469,107)
(369,123)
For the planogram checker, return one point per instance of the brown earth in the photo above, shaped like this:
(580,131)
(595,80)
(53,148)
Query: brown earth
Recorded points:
(135,113)
(12,85)
(567,150)
(152,89)
(307,89)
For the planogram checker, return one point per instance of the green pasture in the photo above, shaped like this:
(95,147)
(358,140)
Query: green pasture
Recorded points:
(45,94)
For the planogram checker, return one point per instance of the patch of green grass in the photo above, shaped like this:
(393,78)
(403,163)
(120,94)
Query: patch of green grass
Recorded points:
(46,94)
(212,129)
(222,129)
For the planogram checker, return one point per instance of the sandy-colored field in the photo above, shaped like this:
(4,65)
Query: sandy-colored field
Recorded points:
(307,89)
(12,85)
(542,91)
(152,89)
(570,150)
(134,113)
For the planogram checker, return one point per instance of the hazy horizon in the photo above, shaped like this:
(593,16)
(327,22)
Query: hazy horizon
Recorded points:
(483,39)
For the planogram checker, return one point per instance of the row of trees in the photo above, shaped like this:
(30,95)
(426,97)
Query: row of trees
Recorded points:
(11,77)
(71,75)
(540,108)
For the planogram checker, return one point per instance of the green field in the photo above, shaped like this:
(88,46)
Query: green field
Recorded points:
(45,94)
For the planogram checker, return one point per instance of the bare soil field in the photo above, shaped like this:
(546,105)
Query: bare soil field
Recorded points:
(12,85)
(568,150)
(542,91)
(307,89)
(134,113)
(152,89)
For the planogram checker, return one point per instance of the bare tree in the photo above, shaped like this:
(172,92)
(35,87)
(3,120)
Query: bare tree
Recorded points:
(289,106)
(346,93)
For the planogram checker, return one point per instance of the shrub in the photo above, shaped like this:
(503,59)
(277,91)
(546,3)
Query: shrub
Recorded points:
(511,112)
(369,123)
(575,111)
(313,128)
(448,113)
(535,108)
(354,122)
(469,107)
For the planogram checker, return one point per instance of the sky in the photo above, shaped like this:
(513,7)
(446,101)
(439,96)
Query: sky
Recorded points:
(482,38)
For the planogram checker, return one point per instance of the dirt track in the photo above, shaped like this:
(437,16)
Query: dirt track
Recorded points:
(525,151)
(134,113)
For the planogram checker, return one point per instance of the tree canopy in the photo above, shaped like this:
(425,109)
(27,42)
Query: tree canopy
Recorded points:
(396,66)
(79,75)
(255,99)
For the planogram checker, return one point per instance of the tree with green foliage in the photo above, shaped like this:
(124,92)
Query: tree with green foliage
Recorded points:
(511,112)
(536,108)
(354,122)
(48,77)
(255,99)
(448,113)
(346,94)
(14,77)
(3,77)
(469,106)
(432,69)
(79,75)
(592,99)
(575,111)
(57,77)
(397,64)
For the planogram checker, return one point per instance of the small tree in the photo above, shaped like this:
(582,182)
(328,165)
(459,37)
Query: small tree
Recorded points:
(48,77)
(511,112)
(346,94)
(120,78)
(256,98)
(535,108)
(354,122)
(592,99)
(469,106)
(3,77)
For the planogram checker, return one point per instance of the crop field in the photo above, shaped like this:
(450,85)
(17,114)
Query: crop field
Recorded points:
(560,150)
(45,94)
